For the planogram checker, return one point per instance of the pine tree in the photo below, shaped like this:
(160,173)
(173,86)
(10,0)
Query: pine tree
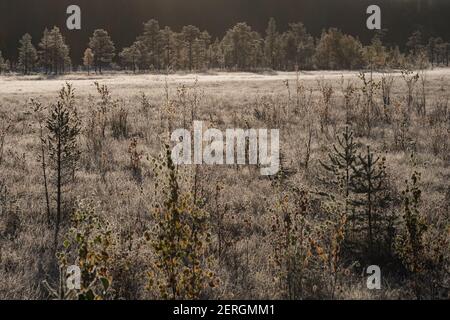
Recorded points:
(376,54)
(2,63)
(432,48)
(189,35)
(270,44)
(239,46)
(168,47)
(152,40)
(341,163)
(103,48)
(203,54)
(88,59)
(304,45)
(63,127)
(181,58)
(38,110)
(140,50)
(369,182)
(216,55)
(414,43)
(45,51)
(54,52)
(27,54)
(130,56)
(336,50)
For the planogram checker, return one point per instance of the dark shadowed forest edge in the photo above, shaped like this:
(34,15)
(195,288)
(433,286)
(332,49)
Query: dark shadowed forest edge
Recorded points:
(160,49)
(124,22)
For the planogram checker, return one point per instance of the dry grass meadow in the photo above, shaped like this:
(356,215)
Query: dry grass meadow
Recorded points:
(302,234)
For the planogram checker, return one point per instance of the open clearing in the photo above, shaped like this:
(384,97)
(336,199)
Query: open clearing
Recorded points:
(129,84)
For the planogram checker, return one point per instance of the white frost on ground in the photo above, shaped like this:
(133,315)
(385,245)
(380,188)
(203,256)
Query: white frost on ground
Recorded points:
(18,85)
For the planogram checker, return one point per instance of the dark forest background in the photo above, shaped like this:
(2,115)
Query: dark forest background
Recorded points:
(124,18)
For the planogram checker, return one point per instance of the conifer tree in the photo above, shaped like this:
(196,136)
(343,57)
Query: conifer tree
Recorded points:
(88,59)
(152,41)
(270,45)
(189,35)
(341,163)
(302,45)
(168,47)
(130,56)
(414,43)
(336,50)
(27,54)
(59,51)
(63,127)
(140,51)
(241,46)
(376,54)
(2,63)
(103,48)
(45,59)
(202,56)
(369,182)
(216,55)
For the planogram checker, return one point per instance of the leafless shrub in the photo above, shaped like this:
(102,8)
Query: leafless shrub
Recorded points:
(103,107)
(326,91)
(440,141)
(119,122)
(420,101)
(387,81)
(369,111)
(401,128)
(350,99)
(135,159)
(440,113)
(410,80)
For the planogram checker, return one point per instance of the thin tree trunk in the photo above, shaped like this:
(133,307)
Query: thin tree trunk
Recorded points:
(44,173)
(58,192)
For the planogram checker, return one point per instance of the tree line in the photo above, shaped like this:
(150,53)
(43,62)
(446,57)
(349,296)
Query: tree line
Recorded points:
(241,49)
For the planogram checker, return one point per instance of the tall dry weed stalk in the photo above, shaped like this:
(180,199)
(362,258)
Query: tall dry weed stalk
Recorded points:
(387,82)
(326,91)
(370,112)
(39,110)
(410,78)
